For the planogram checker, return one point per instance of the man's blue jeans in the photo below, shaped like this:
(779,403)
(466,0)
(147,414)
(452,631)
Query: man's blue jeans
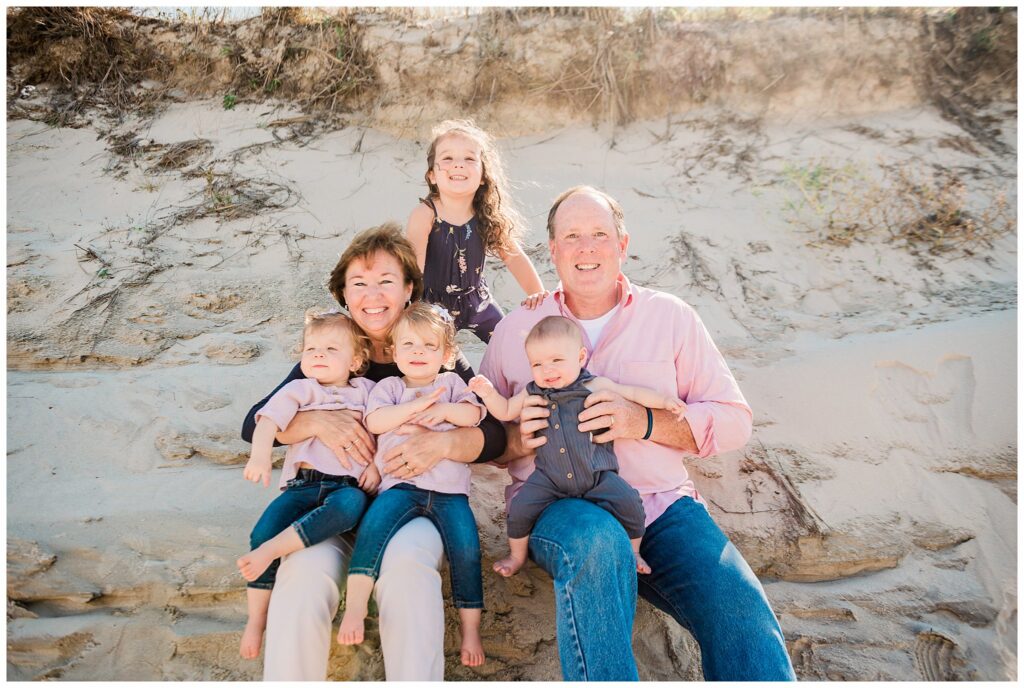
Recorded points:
(698,577)
(395,507)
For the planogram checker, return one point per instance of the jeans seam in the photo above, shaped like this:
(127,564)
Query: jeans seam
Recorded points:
(302,534)
(572,616)
(453,571)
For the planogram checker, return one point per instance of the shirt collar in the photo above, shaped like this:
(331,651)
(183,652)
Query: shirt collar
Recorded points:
(625,295)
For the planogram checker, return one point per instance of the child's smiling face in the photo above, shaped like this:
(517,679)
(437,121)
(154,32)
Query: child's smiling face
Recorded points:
(555,361)
(458,165)
(328,356)
(419,352)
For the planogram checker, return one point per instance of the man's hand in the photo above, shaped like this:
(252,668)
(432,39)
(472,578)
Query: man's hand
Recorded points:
(341,431)
(532,418)
(607,410)
(369,480)
(418,454)
(258,469)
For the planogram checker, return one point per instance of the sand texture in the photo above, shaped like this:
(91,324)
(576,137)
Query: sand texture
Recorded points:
(158,270)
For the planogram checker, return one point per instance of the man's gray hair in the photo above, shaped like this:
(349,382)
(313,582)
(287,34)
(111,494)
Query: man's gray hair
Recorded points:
(617,215)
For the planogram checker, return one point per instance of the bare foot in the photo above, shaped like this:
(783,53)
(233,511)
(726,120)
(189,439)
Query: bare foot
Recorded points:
(508,566)
(472,648)
(252,639)
(351,631)
(253,564)
(641,565)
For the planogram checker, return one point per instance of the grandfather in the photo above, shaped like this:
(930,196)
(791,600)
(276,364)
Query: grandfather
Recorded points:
(642,337)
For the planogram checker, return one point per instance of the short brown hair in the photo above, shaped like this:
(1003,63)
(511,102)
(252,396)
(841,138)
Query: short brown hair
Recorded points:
(387,238)
(332,320)
(555,326)
(617,215)
(424,316)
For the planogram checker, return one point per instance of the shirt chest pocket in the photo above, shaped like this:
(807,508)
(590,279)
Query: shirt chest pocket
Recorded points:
(657,375)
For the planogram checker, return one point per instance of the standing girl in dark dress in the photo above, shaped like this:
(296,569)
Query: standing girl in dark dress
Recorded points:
(465,216)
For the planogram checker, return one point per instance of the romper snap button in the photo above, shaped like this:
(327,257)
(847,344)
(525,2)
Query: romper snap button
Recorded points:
(569,476)
(554,405)
(562,450)
(556,426)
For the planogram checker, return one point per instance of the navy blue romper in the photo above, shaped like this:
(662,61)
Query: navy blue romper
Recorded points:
(453,276)
(569,464)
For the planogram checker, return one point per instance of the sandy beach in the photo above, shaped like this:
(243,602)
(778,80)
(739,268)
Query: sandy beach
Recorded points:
(157,273)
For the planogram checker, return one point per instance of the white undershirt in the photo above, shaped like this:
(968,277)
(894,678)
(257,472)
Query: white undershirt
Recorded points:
(595,327)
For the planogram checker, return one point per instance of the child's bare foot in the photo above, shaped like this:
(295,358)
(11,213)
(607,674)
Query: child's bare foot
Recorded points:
(351,631)
(641,565)
(472,648)
(252,639)
(508,566)
(253,564)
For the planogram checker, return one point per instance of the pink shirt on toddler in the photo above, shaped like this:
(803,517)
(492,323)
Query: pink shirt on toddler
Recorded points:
(447,476)
(310,395)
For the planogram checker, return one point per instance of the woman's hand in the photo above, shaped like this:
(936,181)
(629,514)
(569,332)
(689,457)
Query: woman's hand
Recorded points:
(418,454)
(607,410)
(532,418)
(341,431)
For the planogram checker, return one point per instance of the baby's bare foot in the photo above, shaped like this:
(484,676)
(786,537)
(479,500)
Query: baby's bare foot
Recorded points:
(472,648)
(253,564)
(508,566)
(641,565)
(351,631)
(252,639)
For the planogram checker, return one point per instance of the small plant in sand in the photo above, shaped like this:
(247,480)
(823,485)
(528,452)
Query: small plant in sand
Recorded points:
(914,207)
(230,99)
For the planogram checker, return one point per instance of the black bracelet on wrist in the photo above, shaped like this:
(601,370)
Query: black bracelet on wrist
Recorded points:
(650,424)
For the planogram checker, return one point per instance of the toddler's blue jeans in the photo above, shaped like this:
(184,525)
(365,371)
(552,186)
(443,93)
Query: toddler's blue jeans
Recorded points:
(395,507)
(317,505)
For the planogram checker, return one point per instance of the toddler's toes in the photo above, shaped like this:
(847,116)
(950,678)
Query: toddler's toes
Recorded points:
(641,565)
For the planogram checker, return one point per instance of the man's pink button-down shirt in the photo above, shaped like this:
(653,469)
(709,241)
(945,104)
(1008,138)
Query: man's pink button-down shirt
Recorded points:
(654,340)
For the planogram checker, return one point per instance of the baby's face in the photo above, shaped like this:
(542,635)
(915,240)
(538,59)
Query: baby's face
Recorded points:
(419,354)
(328,356)
(555,361)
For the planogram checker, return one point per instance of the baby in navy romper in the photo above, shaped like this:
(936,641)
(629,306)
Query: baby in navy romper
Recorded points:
(569,464)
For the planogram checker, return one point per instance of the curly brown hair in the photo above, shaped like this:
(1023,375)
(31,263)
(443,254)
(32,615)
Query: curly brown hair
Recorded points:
(317,320)
(500,223)
(387,238)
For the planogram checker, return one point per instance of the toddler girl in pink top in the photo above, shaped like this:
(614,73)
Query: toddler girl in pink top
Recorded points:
(422,339)
(321,497)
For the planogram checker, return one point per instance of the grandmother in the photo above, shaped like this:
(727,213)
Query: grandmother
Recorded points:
(375,278)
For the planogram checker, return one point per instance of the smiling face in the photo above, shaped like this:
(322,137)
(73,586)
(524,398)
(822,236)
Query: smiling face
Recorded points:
(587,254)
(419,352)
(458,165)
(375,292)
(328,355)
(555,361)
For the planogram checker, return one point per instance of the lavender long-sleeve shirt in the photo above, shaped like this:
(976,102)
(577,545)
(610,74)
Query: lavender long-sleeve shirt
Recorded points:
(307,395)
(654,340)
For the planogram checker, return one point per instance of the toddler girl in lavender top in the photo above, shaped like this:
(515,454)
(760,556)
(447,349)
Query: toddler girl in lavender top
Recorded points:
(568,464)
(422,339)
(321,497)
